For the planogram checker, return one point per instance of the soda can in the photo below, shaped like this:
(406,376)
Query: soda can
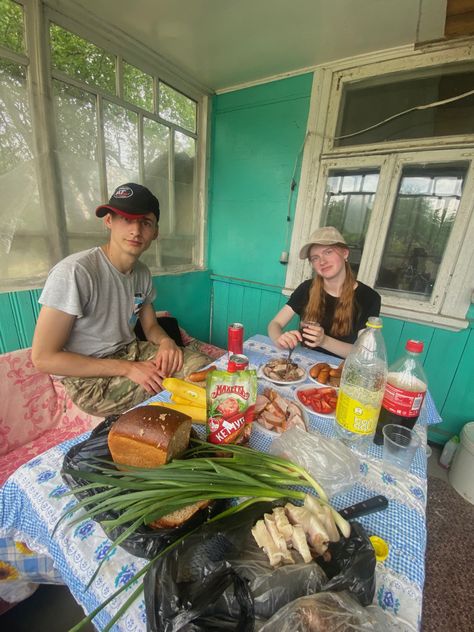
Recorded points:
(237,362)
(235,338)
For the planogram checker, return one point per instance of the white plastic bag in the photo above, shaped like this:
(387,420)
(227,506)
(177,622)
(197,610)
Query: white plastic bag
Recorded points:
(329,461)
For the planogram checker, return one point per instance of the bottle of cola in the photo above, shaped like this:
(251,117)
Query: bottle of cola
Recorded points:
(404,392)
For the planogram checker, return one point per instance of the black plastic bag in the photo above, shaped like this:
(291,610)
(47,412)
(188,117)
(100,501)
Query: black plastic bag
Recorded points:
(145,541)
(196,587)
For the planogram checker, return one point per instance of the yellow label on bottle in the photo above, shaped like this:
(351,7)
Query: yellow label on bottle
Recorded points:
(355,416)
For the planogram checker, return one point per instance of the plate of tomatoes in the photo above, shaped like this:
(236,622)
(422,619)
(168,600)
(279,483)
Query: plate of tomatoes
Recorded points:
(319,401)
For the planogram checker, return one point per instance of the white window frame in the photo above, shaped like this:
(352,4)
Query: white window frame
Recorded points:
(38,16)
(452,291)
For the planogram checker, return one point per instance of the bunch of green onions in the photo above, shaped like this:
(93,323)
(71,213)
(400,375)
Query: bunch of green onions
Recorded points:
(140,496)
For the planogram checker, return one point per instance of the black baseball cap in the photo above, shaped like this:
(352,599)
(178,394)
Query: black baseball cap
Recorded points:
(132,201)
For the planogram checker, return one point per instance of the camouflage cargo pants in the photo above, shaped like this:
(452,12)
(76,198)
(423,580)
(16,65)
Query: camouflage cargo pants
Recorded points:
(104,396)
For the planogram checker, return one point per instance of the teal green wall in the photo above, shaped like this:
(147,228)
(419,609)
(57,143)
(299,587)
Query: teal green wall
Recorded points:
(257,135)
(187,296)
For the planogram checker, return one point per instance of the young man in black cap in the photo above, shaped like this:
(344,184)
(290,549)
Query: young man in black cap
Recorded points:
(90,304)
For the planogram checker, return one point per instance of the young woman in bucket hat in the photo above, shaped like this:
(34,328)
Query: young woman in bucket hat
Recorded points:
(333,306)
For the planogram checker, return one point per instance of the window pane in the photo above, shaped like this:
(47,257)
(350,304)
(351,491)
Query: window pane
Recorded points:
(76,127)
(23,251)
(121,145)
(425,209)
(81,59)
(348,204)
(369,102)
(177,108)
(156,139)
(137,87)
(11,26)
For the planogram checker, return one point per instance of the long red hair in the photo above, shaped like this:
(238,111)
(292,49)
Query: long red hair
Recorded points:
(344,312)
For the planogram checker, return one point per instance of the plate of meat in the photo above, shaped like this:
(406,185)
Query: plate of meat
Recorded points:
(282,371)
(326,374)
(275,414)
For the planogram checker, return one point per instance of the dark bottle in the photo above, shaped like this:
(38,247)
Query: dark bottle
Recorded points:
(404,392)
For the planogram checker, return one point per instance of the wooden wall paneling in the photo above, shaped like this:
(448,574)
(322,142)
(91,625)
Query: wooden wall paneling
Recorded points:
(219,314)
(392,331)
(25,316)
(250,310)
(9,337)
(235,312)
(269,307)
(441,362)
(459,406)
(415,331)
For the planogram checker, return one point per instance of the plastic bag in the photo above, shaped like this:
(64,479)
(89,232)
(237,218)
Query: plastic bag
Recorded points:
(219,579)
(331,612)
(145,541)
(329,461)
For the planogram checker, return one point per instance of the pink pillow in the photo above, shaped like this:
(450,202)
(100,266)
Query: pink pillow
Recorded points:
(28,401)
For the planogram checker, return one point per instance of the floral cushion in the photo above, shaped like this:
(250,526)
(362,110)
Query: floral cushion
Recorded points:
(35,412)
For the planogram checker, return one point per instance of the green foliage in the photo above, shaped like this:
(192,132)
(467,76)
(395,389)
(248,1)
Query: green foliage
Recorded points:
(177,108)
(11,26)
(137,87)
(81,59)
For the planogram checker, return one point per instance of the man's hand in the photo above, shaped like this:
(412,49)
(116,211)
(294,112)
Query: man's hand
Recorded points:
(169,358)
(146,374)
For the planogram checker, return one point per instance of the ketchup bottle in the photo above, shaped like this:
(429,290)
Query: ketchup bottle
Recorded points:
(404,392)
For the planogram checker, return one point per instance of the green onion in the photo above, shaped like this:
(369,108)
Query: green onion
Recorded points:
(204,472)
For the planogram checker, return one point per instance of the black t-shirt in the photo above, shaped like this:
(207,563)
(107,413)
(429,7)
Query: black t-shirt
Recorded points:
(367,303)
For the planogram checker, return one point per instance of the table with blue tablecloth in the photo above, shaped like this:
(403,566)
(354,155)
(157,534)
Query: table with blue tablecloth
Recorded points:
(34,497)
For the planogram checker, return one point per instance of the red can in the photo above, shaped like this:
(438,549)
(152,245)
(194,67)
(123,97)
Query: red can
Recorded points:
(237,362)
(235,338)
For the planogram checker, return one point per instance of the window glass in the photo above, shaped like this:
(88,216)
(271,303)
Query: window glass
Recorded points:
(137,87)
(121,145)
(156,144)
(11,26)
(23,249)
(348,204)
(76,126)
(81,59)
(176,108)
(366,103)
(422,219)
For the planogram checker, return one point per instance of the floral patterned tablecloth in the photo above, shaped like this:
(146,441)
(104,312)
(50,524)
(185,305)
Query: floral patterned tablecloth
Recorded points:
(34,497)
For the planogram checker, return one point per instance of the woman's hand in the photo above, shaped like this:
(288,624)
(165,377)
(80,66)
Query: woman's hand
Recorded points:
(313,336)
(288,339)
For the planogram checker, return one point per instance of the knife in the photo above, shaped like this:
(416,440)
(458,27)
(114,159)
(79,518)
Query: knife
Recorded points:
(371,505)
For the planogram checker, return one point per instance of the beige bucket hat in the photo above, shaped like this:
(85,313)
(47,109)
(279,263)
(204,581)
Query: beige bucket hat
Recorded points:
(324,236)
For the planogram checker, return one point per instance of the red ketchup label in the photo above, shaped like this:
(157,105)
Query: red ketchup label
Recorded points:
(230,405)
(401,402)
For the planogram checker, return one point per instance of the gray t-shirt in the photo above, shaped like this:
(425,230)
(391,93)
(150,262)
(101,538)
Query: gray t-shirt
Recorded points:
(105,301)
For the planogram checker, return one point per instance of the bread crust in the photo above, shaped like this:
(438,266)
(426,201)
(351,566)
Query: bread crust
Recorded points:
(149,436)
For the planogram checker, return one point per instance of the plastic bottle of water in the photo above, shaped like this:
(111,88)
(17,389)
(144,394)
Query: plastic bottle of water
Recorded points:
(362,386)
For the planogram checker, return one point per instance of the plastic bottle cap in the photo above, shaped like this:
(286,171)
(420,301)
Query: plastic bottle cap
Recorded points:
(415,346)
(380,548)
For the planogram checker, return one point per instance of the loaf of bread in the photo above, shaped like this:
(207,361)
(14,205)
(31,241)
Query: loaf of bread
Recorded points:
(178,517)
(149,436)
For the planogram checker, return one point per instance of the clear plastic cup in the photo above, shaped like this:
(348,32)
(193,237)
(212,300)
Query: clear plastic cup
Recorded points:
(399,445)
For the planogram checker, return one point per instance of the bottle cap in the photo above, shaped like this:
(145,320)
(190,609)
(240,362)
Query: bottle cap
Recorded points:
(380,548)
(415,346)
(374,322)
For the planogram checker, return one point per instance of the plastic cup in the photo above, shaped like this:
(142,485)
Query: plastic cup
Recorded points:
(306,323)
(399,445)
